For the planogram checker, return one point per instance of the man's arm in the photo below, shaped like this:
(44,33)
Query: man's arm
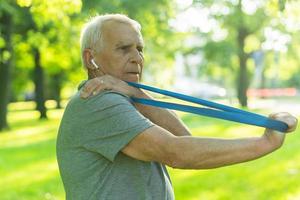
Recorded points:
(187,152)
(164,146)
(164,118)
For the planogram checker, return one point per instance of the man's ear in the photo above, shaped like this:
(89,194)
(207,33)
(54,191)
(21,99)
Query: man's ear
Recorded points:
(87,57)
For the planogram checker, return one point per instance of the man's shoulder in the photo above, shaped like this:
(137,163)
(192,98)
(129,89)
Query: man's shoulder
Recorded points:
(102,101)
(112,94)
(109,97)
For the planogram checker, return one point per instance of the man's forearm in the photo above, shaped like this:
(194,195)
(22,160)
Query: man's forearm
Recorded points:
(205,153)
(164,118)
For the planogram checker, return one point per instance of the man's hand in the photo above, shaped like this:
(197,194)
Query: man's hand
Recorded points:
(275,138)
(107,82)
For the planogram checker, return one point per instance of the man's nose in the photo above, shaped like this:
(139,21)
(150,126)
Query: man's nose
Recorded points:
(137,57)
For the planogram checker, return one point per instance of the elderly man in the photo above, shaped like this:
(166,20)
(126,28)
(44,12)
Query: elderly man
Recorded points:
(111,148)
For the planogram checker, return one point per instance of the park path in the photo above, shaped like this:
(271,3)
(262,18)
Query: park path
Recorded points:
(277,105)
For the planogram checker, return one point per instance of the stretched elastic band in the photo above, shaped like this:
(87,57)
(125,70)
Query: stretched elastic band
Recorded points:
(215,110)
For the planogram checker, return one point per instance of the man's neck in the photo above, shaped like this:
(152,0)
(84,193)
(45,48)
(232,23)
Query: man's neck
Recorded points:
(94,73)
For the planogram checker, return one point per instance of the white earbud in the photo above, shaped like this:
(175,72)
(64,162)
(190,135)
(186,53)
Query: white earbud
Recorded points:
(94,63)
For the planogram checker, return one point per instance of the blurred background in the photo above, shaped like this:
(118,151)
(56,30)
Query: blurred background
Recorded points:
(244,53)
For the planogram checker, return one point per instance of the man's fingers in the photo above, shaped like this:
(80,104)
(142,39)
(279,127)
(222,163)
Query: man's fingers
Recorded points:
(279,115)
(100,87)
(96,85)
(272,115)
(88,89)
(292,123)
(287,118)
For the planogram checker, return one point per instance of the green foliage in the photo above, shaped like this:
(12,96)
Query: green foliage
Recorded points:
(54,28)
(246,27)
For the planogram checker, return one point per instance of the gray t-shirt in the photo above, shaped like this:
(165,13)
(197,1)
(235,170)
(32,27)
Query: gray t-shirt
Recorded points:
(91,134)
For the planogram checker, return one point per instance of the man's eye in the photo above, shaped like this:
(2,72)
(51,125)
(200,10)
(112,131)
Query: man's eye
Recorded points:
(125,47)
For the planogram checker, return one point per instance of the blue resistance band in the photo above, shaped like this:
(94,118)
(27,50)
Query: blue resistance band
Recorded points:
(216,110)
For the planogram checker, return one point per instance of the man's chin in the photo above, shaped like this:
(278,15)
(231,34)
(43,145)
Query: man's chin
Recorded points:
(133,78)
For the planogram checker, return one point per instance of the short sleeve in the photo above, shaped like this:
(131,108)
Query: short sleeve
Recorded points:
(112,122)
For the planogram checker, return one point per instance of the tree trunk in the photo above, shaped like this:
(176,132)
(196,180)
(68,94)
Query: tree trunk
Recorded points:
(243,82)
(5,67)
(57,88)
(39,84)
(263,82)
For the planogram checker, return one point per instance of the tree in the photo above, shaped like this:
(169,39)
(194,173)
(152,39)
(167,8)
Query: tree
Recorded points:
(243,26)
(23,24)
(35,39)
(48,29)
(6,55)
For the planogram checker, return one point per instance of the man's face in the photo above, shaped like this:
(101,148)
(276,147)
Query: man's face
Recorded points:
(122,52)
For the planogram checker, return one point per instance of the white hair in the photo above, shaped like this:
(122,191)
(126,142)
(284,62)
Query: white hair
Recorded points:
(91,33)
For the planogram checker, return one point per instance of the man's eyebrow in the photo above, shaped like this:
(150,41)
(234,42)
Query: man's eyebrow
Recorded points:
(120,44)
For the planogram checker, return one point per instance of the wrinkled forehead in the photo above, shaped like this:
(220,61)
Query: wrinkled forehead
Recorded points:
(115,32)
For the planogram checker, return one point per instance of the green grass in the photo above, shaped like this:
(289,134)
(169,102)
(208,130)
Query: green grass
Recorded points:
(275,176)
(29,170)
(28,165)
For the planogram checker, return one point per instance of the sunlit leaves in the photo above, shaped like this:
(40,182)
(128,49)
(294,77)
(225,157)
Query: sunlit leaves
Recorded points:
(24,3)
(2,42)
(252,43)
